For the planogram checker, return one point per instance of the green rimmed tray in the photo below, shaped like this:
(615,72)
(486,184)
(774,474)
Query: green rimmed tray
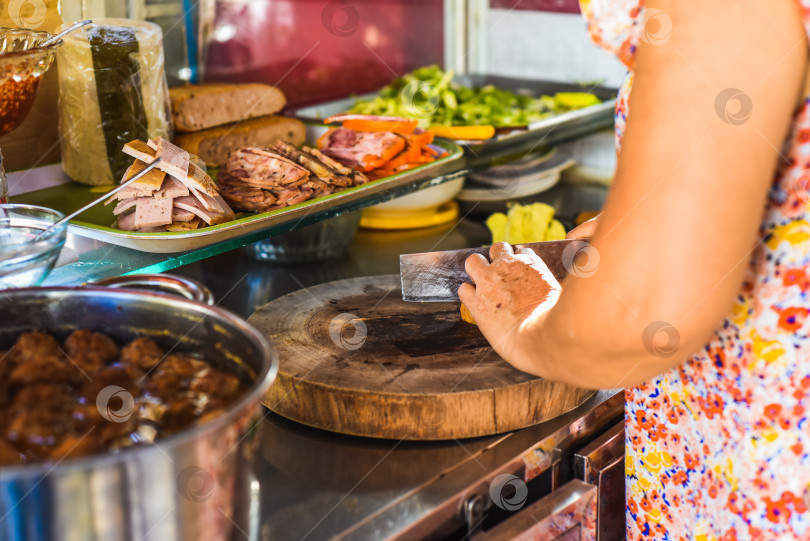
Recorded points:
(96,222)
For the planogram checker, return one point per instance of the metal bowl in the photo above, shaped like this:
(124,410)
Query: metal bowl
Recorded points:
(193,485)
(22,64)
(23,262)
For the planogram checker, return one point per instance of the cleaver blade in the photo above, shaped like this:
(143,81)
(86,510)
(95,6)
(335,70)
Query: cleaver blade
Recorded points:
(436,276)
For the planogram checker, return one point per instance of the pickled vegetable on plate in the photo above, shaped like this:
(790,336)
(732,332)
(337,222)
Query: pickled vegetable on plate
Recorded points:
(430,96)
(525,223)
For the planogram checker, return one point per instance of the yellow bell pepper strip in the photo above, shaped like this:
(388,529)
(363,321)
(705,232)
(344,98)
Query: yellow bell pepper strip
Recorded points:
(463,133)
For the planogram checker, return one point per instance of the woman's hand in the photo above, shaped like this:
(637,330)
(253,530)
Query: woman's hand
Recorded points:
(585,229)
(510,296)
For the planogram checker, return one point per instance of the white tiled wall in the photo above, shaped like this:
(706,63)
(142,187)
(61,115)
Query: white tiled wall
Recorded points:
(552,46)
(556,47)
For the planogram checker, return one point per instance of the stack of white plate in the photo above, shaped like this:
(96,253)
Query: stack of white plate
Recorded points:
(517,179)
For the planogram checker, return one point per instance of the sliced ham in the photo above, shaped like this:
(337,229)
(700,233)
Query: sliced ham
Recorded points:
(171,188)
(361,149)
(126,221)
(198,179)
(125,204)
(129,193)
(151,212)
(223,206)
(193,205)
(345,155)
(185,196)
(180,215)
(341,138)
(173,159)
(211,203)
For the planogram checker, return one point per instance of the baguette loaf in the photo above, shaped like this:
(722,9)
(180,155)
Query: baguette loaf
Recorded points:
(214,145)
(199,107)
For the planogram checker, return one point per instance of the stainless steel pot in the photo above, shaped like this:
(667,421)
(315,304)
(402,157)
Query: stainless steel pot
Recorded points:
(193,485)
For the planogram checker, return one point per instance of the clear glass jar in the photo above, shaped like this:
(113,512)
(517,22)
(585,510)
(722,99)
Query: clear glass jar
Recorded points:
(3,182)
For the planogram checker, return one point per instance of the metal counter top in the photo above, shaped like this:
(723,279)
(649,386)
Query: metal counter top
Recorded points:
(317,485)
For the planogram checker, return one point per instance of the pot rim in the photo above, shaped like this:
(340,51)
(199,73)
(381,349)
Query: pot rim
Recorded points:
(253,396)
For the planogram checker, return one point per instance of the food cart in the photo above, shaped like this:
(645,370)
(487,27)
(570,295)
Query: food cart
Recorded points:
(363,416)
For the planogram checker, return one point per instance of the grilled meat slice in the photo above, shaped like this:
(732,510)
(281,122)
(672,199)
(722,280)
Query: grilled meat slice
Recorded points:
(288,194)
(320,187)
(263,168)
(309,162)
(324,171)
(334,165)
(243,196)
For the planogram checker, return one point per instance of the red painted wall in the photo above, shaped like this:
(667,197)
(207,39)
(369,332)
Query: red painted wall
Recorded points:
(561,6)
(316,50)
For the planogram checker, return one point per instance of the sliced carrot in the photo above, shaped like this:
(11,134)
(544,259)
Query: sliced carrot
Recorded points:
(403,126)
(426,138)
(373,162)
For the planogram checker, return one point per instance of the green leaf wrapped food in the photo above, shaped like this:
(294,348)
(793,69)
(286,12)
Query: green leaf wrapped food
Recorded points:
(112,90)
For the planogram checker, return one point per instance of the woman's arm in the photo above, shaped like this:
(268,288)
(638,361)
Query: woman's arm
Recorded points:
(682,218)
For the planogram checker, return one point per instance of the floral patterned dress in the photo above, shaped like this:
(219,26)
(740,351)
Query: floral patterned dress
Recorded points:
(719,447)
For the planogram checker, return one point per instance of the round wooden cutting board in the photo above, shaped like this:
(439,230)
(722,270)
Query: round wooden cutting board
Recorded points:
(357,359)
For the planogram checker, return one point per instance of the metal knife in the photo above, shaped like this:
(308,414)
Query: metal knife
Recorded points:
(436,276)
